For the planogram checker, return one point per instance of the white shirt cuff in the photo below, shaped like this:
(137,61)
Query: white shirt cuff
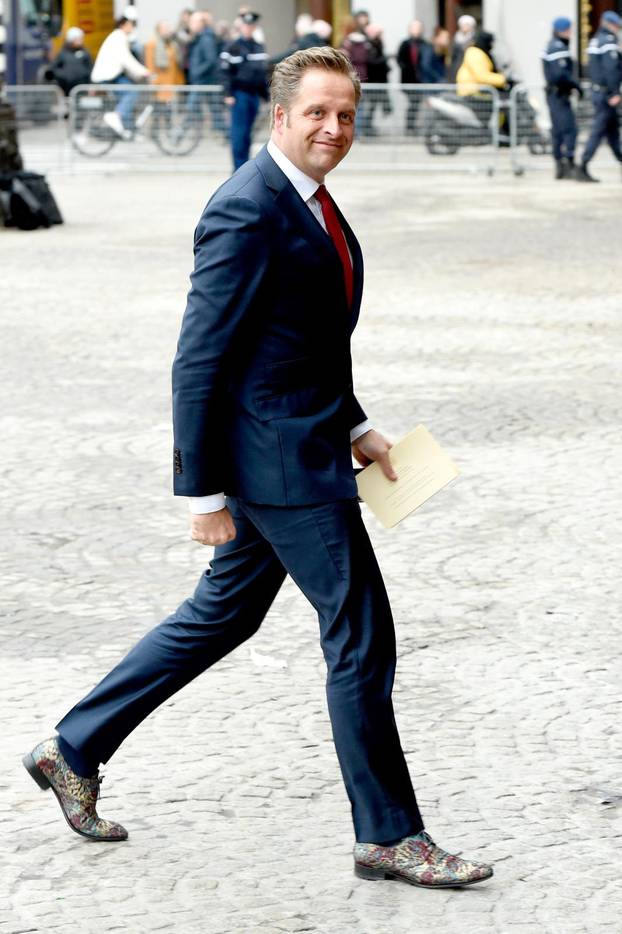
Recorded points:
(359,430)
(200,505)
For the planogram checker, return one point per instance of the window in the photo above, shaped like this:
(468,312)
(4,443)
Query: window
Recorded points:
(46,14)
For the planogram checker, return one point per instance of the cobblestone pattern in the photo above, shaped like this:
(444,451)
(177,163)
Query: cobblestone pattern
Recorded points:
(492,316)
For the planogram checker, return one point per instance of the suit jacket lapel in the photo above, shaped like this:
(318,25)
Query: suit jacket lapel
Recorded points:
(294,207)
(292,204)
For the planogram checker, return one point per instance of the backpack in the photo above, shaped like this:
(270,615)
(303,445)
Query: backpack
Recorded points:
(26,201)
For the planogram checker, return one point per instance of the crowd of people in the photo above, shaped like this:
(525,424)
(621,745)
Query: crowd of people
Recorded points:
(200,51)
(232,59)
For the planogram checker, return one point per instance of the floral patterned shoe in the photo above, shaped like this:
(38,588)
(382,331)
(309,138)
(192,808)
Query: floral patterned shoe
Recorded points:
(77,796)
(419,861)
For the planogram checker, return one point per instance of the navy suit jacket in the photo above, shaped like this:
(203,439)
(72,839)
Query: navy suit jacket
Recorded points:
(263,401)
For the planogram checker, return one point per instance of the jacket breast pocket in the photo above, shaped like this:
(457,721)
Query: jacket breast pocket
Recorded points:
(289,403)
(300,387)
(288,388)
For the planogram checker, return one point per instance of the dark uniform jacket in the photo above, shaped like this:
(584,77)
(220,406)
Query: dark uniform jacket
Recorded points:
(71,67)
(605,62)
(263,402)
(558,67)
(243,63)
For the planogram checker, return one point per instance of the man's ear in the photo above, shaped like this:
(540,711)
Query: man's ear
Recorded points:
(280,117)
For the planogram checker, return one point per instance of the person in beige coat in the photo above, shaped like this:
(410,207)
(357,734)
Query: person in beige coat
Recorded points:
(164,59)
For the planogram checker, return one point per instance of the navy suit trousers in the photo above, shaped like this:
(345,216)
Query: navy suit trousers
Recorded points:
(326,550)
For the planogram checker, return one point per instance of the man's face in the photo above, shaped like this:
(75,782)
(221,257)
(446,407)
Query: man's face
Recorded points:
(247,30)
(318,130)
(416,29)
(197,23)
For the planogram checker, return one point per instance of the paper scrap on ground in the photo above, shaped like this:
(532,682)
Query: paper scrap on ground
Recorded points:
(422,468)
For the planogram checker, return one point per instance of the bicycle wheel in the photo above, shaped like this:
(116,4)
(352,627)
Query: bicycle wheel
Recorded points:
(90,135)
(437,144)
(176,132)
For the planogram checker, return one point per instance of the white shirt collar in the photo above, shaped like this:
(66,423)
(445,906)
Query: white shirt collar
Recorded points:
(304,185)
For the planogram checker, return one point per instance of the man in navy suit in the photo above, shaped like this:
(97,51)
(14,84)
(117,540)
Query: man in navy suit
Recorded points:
(266,422)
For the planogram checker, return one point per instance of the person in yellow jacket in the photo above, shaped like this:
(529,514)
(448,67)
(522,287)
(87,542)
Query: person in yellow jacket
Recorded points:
(478,67)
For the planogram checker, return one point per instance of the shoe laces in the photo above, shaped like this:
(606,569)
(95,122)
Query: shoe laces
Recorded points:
(428,847)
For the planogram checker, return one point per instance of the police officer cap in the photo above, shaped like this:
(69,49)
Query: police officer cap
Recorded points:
(250,18)
(613,18)
(561,24)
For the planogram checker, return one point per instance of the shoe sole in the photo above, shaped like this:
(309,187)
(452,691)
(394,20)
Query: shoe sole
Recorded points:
(44,783)
(367,872)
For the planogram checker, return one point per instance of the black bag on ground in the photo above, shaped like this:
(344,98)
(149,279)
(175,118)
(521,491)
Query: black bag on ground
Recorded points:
(27,202)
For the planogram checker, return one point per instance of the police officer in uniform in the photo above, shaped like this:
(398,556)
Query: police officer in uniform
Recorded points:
(559,74)
(244,63)
(606,74)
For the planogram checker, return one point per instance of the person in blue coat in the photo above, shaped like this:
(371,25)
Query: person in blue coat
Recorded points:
(204,69)
(559,74)
(434,58)
(605,65)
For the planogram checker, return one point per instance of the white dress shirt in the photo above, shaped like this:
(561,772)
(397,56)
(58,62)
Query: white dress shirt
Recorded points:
(306,188)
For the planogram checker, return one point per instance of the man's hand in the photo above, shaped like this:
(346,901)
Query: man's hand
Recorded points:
(614,101)
(373,447)
(213,528)
(229,101)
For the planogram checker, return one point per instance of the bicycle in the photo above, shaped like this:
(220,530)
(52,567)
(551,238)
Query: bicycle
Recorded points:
(174,129)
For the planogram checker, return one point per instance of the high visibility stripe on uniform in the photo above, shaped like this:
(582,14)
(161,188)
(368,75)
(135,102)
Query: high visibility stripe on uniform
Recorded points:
(601,49)
(256,56)
(553,56)
(233,59)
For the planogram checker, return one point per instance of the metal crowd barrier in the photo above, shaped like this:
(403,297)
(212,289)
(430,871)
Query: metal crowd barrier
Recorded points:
(411,127)
(427,127)
(169,127)
(40,110)
(181,127)
(526,151)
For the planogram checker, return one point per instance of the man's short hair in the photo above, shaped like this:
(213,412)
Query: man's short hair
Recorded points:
(288,74)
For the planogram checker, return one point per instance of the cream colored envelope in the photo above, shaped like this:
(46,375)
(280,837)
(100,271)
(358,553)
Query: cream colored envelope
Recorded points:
(422,468)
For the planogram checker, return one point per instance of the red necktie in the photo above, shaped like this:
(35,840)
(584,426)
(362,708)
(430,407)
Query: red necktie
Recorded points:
(336,235)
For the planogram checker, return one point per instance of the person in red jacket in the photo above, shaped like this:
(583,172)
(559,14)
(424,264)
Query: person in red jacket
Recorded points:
(410,57)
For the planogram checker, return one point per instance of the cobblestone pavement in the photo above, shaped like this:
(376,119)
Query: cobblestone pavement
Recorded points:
(492,316)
